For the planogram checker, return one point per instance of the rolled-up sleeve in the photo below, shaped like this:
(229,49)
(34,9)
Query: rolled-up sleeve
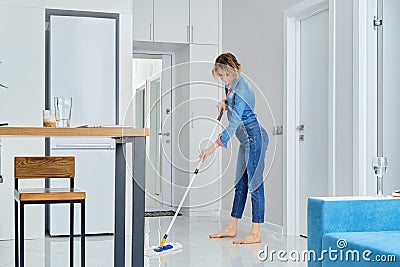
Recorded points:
(234,122)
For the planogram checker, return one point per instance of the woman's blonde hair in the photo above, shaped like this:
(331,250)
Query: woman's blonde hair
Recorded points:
(228,63)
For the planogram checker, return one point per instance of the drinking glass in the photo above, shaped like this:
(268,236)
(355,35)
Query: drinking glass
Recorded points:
(63,106)
(49,120)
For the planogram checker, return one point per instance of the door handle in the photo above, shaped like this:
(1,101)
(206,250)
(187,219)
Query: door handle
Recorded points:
(166,134)
(192,33)
(300,127)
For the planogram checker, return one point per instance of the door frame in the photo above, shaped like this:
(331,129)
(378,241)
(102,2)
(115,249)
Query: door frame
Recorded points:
(292,18)
(147,110)
(168,61)
(365,108)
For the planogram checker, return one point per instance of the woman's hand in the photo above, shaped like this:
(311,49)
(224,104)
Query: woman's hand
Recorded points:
(221,106)
(206,152)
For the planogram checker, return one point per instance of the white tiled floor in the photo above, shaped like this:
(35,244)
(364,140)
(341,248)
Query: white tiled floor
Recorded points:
(192,233)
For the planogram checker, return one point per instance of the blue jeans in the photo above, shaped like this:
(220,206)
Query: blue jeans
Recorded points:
(249,170)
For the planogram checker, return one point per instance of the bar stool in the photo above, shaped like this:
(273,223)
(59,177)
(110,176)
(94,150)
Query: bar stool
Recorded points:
(46,167)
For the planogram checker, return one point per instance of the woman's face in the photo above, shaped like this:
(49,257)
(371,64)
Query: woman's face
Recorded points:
(226,76)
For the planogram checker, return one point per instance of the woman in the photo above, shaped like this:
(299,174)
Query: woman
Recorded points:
(253,139)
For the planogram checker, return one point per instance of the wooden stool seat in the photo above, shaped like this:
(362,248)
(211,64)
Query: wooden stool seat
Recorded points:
(47,194)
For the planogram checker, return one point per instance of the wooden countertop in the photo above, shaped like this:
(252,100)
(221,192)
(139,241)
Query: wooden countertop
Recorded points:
(107,131)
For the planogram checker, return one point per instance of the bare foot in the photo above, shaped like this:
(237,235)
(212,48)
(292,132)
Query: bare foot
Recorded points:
(250,239)
(227,232)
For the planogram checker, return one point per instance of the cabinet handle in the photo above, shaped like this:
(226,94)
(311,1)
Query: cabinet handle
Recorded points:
(1,177)
(187,34)
(83,147)
(192,33)
(151,29)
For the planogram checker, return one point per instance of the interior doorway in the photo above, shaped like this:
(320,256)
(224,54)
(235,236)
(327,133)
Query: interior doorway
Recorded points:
(152,90)
(309,104)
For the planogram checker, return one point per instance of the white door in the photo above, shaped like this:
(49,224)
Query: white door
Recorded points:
(312,112)
(142,20)
(153,165)
(205,192)
(204,31)
(171,21)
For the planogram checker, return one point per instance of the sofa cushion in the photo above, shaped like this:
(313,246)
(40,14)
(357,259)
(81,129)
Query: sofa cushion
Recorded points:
(384,248)
(349,214)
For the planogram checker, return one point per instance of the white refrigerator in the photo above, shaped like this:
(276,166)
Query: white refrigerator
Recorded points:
(82,65)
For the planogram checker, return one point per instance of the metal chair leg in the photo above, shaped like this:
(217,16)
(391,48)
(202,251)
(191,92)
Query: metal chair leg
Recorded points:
(16,229)
(21,240)
(71,235)
(83,234)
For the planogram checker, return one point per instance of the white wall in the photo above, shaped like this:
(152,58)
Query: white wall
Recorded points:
(344,98)
(22,70)
(254,33)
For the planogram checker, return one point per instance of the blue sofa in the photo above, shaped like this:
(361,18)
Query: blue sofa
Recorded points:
(356,231)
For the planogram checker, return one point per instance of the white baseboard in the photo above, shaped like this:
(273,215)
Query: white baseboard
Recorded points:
(214,213)
(196,213)
(268,226)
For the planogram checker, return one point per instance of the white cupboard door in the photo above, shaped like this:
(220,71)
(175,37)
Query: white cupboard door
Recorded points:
(204,21)
(94,173)
(204,91)
(143,20)
(171,21)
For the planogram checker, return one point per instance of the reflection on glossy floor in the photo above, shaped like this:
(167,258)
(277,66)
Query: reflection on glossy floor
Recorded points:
(192,233)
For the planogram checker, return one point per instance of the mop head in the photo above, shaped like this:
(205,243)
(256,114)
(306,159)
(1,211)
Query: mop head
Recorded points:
(168,248)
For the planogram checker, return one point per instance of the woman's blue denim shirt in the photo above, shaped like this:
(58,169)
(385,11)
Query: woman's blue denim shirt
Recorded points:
(240,107)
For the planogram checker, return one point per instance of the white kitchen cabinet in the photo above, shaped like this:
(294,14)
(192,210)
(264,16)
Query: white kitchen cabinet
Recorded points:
(204,21)
(176,21)
(195,99)
(171,21)
(204,96)
(143,20)
(161,21)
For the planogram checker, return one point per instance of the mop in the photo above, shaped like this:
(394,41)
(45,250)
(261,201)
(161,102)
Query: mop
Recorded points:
(164,247)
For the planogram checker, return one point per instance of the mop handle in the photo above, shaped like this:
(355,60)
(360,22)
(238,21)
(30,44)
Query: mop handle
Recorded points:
(187,189)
